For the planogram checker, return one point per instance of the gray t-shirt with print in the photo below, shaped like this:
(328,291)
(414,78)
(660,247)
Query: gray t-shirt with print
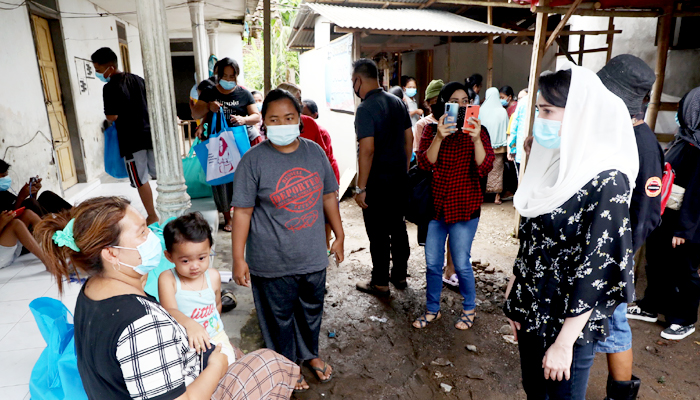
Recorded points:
(287,233)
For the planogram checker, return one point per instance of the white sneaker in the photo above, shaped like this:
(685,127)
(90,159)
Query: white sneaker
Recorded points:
(634,312)
(677,332)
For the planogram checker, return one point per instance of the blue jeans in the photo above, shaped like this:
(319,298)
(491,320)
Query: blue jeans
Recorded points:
(532,349)
(461,238)
(620,338)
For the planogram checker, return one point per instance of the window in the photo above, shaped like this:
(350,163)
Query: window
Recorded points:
(123,47)
(683,33)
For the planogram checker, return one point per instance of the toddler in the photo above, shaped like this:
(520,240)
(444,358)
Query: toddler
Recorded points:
(191,292)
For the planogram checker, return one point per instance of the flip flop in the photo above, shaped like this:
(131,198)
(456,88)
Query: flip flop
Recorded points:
(322,371)
(301,379)
(453,281)
(228,228)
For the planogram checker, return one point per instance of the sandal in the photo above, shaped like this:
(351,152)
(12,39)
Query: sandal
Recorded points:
(452,282)
(467,318)
(299,382)
(423,319)
(322,371)
(228,228)
(368,287)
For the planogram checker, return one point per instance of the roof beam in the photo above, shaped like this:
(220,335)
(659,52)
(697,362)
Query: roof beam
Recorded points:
(428,4)
(484,3)
(415,33)
(562,23)
(301,27)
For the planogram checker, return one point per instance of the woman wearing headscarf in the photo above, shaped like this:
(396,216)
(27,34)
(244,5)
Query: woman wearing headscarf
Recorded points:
(673,250)
(458,158)
(495,119)
(575,263)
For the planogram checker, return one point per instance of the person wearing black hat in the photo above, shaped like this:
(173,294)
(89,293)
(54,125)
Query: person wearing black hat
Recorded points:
(631,79)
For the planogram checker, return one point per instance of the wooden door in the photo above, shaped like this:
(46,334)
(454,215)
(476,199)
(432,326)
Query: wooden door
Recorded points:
(424,72)
(53,100)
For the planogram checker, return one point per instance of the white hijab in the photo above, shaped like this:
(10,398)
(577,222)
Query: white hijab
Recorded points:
(596,135)
(494,118)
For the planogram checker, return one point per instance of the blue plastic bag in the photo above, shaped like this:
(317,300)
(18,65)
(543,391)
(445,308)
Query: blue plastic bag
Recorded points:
(55,375)
(196,181)
(114,162)
(221,152)
(152,281)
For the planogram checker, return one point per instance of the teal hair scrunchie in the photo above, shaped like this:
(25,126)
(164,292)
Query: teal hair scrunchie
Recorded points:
(64,238)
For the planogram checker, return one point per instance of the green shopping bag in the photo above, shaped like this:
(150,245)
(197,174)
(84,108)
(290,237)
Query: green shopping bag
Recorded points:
(196,181)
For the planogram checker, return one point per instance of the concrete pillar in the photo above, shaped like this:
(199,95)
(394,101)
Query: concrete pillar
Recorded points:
(322,32)
(199,39)
(213,33)
(172,198)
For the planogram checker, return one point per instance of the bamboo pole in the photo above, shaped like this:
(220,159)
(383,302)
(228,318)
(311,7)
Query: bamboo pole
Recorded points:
(661,56)
(610,38)
(489,57)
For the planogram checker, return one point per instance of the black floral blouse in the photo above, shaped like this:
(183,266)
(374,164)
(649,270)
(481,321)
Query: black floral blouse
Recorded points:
(576,258)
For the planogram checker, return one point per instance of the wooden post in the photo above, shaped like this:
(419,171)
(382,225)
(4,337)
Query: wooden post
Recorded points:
(267,47)
(581,47)
(661,55)
(489,57)
(611,37)
(535,67)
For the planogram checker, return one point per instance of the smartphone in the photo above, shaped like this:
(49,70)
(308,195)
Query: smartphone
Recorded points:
(451,112)
(33,179)
(472,111)
(19,212)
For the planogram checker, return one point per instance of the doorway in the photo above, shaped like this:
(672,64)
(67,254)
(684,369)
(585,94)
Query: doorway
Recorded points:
(53,101)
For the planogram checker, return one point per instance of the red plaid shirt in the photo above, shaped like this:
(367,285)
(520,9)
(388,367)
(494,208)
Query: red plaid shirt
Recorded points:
(457,193)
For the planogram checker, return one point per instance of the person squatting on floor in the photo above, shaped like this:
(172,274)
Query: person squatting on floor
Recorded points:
(673,249)
(284,188)
(575,262)
(125,105)
(385,136)
(457,158)
(120,331)
(631,79)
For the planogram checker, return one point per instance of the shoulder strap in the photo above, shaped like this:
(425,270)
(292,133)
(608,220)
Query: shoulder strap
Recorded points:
(177,279)
(206,274)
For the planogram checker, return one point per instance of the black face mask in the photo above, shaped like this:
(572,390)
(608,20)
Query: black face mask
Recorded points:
(357,92)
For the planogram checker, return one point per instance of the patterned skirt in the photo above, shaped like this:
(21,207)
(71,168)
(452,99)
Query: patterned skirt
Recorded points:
(495,180)
(262,374)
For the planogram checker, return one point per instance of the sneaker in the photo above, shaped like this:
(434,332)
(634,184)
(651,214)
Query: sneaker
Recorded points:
(677,332)
(634,312)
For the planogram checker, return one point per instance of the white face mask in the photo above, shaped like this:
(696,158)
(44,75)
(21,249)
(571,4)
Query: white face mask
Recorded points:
(282,135)
(150,251)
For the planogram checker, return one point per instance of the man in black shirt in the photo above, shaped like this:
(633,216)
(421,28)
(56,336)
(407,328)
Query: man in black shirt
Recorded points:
(385,136)
(631,79)
(125,104)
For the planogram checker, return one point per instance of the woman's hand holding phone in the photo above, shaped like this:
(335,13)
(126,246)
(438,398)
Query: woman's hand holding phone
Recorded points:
(445,130)
(473,129)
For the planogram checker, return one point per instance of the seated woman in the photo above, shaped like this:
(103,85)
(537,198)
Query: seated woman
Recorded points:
(127,345)
(575,263)
(13,235)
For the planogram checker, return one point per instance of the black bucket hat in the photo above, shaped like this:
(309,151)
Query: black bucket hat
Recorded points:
(629,78)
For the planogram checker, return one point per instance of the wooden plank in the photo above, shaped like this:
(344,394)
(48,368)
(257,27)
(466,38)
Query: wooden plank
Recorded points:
(428,4)
(562,23)
(579,52)
(564,33)
(665,22)
(601,13)
(610,38)
(668,106)
(581,47)
(484,3)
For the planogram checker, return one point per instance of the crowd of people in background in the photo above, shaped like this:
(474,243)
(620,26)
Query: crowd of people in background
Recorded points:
(590,184)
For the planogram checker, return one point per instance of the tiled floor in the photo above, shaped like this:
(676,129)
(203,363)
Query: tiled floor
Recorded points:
(26,279)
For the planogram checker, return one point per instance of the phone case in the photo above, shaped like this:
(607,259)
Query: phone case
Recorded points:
(471,111)
(451,113)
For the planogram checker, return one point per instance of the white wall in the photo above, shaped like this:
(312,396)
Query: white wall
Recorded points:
(82,37)
(231,46)
(22,109)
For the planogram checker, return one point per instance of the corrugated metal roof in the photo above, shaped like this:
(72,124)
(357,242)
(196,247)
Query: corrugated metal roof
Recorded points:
(399,20)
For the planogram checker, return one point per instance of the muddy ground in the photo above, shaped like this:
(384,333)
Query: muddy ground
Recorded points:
(392,360)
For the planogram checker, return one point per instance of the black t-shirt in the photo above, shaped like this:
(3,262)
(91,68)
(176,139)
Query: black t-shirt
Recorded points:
(385,117)
(234,103)
(129,347)
(125,96)
(645,209)
(7,200)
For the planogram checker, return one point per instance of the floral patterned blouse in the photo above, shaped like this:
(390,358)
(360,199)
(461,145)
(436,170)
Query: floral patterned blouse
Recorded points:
(576,258)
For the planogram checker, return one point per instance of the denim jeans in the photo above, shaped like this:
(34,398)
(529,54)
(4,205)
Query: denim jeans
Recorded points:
(620,338)
(461,238)
(532,349)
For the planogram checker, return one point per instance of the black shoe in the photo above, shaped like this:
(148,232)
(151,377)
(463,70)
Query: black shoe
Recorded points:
(677,332)
(228,300)
(623,390)
(369,287)
(399,284)
(635,312)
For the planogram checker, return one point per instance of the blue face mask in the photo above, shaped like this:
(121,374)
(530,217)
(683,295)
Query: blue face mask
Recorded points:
(150,251)
(676,118)
(227,85)
(282,135)
(411,92)
(102,77)
(504,102)
(546,132)
(5,183)
(259,105)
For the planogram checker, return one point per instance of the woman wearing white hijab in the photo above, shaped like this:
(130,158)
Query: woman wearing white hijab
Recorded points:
(495,119)
(575,263)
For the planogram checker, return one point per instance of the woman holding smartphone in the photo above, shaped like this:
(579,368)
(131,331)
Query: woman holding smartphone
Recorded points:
(575,263)
(458,158)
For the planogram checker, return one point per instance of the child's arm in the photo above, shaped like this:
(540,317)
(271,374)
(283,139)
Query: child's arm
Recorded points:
(215,278)
(196,334)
